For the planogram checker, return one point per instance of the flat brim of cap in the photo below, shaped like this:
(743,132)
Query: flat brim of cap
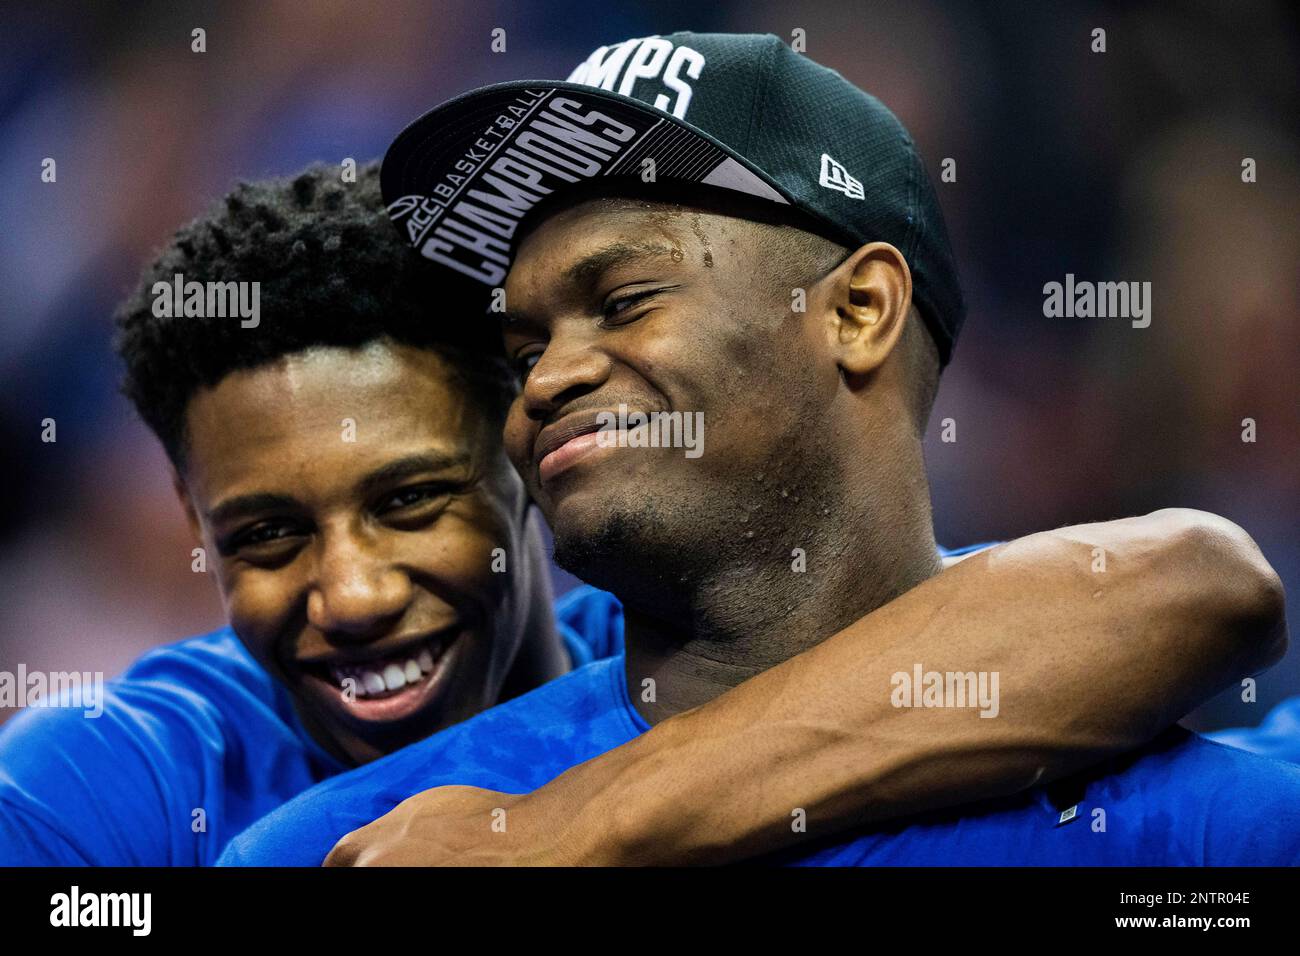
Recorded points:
(460,179)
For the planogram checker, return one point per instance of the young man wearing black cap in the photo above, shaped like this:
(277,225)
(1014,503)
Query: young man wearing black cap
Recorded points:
(369,609)
(616,297)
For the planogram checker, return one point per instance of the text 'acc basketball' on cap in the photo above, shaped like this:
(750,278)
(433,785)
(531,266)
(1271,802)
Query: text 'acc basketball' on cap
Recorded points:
(743,113)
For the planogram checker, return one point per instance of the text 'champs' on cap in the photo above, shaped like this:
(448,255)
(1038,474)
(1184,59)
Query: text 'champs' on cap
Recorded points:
(728,111)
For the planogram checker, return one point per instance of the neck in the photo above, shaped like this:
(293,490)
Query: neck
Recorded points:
(750,612)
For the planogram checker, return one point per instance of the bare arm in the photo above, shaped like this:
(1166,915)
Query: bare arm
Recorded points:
(1090,663)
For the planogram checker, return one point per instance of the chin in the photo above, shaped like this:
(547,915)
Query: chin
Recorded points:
(575,517)
(380,740)
(596,543)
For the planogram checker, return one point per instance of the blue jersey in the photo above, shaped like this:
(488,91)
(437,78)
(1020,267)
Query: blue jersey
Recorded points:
(196,741)
(1181,800)
(1277,736)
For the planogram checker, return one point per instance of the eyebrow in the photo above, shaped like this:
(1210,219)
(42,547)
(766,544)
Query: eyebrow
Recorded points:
(244,506)
(590,267)
(408,467)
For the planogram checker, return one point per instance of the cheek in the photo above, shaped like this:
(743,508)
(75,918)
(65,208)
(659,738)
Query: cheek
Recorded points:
(258,605)
(471,558)
(461,548)
(517,436)
(748,379)
(689,358)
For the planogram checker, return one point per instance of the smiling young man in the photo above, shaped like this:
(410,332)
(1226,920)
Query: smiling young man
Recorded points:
(342,465)
(649,297)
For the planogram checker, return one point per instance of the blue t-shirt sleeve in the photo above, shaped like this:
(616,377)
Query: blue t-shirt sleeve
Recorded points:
(101,791)
(1179,801)
(193,743)
(1188,801)
(27,840)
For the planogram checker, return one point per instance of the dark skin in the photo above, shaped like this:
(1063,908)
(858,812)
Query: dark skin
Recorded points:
(662,309)
(334,560)
(813,441)
(353,553)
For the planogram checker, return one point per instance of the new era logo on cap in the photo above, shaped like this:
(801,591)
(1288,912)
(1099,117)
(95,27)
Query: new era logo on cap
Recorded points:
(735,112)
(835,176)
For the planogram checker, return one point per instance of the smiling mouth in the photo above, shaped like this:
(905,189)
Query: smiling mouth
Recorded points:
(568,454)
(400,678)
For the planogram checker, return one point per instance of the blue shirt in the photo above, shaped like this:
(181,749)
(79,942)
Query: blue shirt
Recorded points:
(1181,800)
(196,741)
(1277,736)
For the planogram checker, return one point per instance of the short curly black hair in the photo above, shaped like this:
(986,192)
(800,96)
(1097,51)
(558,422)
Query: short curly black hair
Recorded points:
(332,271)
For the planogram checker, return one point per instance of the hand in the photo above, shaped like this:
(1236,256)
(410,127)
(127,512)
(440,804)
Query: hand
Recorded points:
(454,826)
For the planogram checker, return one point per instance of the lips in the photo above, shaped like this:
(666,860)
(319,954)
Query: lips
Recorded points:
(565,442)
(394,684)
(554,436)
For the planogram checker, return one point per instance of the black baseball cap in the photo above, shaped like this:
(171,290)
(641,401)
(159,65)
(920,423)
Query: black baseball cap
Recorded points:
(729,111)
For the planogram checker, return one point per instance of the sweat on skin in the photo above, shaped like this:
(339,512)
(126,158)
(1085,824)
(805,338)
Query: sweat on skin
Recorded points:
(616,303)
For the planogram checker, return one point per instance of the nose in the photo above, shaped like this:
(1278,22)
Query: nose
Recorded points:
(359,592)
(570,367)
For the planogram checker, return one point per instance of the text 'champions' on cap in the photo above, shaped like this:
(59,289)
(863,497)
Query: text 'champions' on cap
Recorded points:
(734,112)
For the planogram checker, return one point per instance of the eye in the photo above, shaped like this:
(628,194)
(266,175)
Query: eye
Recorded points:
(616,309)
(263,533)
(524,364)
(266,544)
(412,497)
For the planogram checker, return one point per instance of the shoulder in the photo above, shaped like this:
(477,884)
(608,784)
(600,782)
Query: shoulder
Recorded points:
(485,749)
(1224,806)
(190,679)
(1193,754)
(1277,736)
(215,662)
(114,773)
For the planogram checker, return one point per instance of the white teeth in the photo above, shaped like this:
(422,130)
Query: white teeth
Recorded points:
(394,677)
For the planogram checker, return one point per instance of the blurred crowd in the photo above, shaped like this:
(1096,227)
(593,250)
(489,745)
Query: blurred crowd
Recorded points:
(1117,166)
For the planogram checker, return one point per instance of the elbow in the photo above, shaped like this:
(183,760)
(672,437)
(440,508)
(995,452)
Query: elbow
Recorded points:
(1229,579)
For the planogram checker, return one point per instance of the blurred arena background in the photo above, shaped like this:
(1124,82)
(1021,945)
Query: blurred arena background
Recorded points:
(1117,166)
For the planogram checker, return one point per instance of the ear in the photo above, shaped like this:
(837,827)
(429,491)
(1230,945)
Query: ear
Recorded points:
(191,515)
(867,300)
